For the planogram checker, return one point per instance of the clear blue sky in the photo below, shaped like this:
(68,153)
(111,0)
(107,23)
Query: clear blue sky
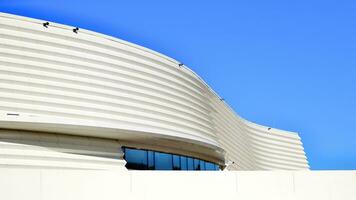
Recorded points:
(286,64)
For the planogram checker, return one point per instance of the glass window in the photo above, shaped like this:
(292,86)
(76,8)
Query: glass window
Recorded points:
(216,167)
(151,160)
(197,164)
(163,161)
(136,159)
(210,166)
(202,165)
(190,164)
(183,163)
(176,162)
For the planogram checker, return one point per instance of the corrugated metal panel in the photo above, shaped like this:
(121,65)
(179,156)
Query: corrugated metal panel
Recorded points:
(45,150)
(55,73)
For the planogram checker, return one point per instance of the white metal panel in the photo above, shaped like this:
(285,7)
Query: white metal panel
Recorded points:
(58,151)
(54,76)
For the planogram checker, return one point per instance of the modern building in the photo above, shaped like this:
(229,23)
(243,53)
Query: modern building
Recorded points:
(72,100)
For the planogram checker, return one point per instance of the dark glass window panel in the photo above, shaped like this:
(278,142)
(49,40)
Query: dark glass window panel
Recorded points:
(151,160)
(217,167)
(163,161)
(183,163)
(197,164)
(136,159)
(210,166)
(176,162)
(190,164)
(202,165)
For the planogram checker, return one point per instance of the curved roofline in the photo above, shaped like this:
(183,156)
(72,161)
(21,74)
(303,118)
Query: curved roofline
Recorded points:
(174,61)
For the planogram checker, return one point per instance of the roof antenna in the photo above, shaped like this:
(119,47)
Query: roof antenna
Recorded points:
(180,64)
(46,24)
(75,30)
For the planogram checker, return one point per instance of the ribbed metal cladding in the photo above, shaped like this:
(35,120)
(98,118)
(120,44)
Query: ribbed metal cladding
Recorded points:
(254,147)
(58,151)
(88,77)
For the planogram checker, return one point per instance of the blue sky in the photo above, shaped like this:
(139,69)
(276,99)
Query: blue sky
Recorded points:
(286,64)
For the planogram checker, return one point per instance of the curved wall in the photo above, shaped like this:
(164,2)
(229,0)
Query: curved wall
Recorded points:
(28,149)
(85,83)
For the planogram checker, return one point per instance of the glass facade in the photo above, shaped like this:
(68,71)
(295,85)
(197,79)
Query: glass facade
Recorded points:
(139,159)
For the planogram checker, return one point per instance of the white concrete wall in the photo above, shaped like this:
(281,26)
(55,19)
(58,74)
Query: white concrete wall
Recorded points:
(51,184)
(54,80)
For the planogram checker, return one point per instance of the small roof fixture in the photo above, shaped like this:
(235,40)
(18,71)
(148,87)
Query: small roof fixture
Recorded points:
(75,30)
(180,64)
(230,163)
(12,114)
(46,24)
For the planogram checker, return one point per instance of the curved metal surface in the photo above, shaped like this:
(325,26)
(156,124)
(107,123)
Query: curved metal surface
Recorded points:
(84,82)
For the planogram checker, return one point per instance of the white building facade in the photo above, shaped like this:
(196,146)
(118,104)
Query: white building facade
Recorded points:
(58,80)
(73,101)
